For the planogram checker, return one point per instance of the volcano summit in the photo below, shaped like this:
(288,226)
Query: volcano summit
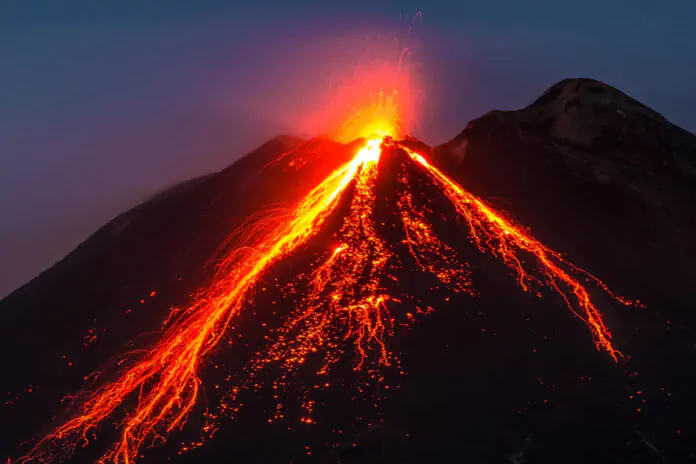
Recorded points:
(512,295)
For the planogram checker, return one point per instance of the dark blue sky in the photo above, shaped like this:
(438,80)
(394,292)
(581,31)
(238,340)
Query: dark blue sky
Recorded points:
(104,103)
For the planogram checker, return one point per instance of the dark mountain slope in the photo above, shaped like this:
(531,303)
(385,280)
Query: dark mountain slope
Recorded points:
(597,174)
(121,282)
(611,182)
(502,376)
(615,176)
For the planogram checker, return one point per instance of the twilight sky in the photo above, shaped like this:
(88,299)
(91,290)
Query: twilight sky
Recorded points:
(103,104)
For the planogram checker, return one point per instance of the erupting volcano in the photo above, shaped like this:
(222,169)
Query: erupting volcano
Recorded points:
(312,305)
(345,305)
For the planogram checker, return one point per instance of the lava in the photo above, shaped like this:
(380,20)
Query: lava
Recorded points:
(345,298)
(428,251)
(346,303)
(165,378)
(492,232)
(345,291)
(381,116)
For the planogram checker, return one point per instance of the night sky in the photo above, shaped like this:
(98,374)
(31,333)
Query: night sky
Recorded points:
(102,104)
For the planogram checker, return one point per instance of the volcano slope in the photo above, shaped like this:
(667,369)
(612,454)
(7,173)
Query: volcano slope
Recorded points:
(392,334)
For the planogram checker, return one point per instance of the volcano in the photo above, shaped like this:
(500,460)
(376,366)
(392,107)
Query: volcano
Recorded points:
(519,294)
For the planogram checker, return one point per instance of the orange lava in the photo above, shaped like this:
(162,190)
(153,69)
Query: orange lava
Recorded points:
(164,380)
(491,232)
(346,303)
(345,300)
(429,252)
(381,116)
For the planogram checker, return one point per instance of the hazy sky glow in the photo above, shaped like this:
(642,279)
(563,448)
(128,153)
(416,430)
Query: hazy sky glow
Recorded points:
(104,103)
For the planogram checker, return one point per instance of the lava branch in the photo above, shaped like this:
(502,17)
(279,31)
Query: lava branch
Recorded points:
(345,302)
(165,378)
(428,251)
(491,232)
(353,275)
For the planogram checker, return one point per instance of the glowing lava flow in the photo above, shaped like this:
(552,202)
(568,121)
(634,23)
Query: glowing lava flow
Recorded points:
(164,380)
(429,252)
(345,301)
(492,232)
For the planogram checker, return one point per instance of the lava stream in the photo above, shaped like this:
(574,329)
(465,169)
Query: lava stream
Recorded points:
(428,251)
(165,378)
(345,301)
(492,232)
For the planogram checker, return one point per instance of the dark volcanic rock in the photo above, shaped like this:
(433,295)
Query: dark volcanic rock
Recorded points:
(590,168)
(612,183)
(122,281)
(501,377)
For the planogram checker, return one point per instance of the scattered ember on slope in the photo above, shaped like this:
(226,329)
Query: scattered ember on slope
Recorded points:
(429,252)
